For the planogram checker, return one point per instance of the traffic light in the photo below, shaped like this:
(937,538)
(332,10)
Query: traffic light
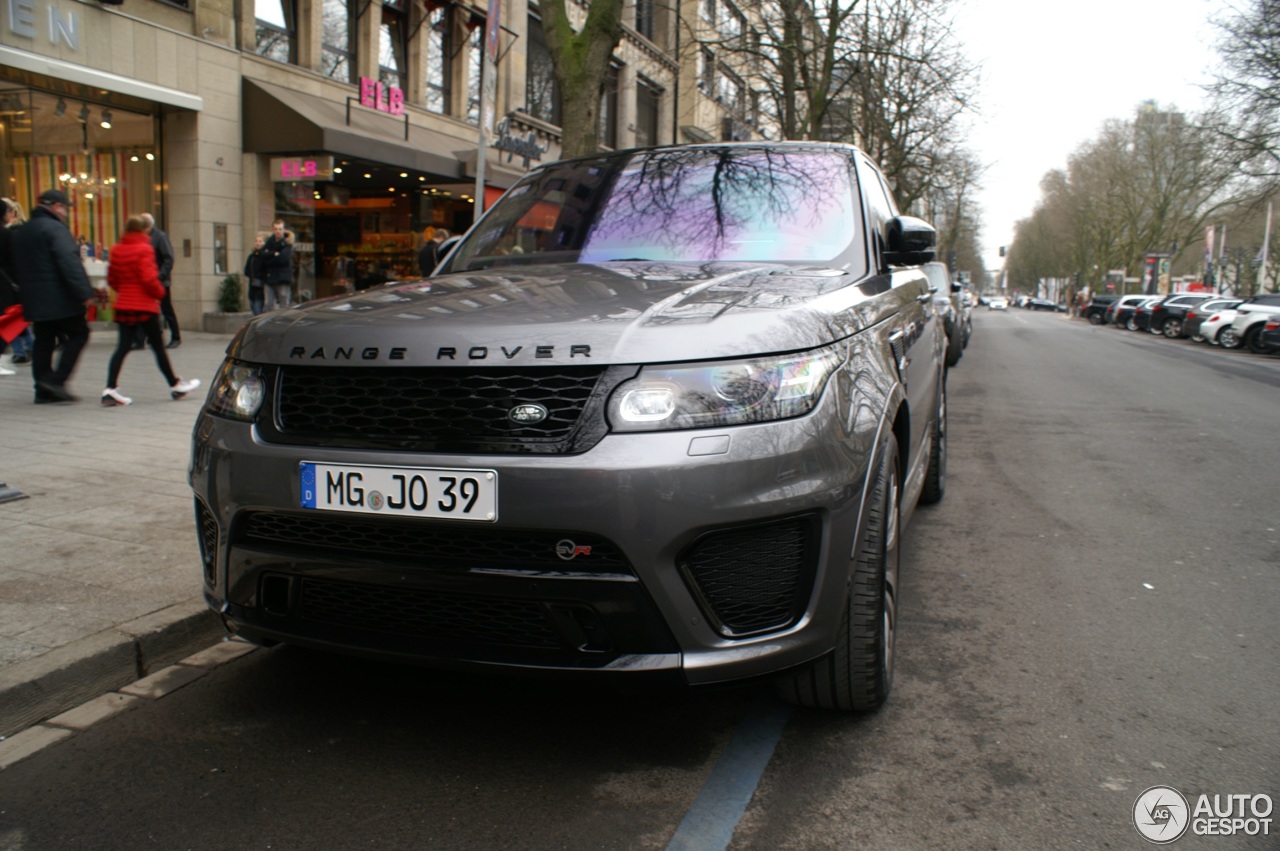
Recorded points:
(1003,251)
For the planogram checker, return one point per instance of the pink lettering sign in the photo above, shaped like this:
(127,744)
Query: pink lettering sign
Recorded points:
(377,95)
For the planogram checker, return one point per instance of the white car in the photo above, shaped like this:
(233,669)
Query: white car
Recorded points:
(1213,328)
(998,303)
(1250,317)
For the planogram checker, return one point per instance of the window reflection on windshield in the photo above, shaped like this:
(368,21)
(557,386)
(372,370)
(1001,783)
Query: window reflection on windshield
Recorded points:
(683,205)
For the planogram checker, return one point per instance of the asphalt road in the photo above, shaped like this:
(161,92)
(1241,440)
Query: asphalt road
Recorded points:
(1090,612)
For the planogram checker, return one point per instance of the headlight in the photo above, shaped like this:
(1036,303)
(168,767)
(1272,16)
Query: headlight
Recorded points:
(722,393)
(237,392)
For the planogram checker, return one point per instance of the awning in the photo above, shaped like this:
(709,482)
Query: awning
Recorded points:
(70,71)
(282,121)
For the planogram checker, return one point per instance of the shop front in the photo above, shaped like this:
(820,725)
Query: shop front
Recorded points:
(361,189)
(101,148)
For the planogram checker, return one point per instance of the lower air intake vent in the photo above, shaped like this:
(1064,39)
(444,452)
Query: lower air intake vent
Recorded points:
(753,579)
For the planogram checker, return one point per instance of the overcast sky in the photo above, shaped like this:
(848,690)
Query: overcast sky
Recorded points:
(1053,72)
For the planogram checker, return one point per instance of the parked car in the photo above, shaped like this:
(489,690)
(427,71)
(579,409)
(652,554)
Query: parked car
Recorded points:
(1045,304)
(950,307)
(1271,333)
(631,428)
(1141,318)
(1196,316)
(1166,315)
(1096,310)
(1251,316)
(1217,331)
(1122,311)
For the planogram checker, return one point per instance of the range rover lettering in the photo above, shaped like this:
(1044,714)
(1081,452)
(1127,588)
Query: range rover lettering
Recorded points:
(660,413)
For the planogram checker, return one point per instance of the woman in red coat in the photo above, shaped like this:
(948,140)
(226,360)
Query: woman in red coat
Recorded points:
(132,273)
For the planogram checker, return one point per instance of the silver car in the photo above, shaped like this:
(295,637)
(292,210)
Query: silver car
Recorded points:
(660,412)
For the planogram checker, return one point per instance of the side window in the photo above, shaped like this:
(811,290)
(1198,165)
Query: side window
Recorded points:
(879,206)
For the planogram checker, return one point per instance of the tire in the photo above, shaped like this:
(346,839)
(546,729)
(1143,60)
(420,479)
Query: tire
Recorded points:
(955,348)
(1253,339)
(1228,338)
(1095,319)
(1130,324)
(1172,328)
(857,675)
(935,477)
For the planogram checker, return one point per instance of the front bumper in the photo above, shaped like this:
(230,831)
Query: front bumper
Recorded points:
(718,554)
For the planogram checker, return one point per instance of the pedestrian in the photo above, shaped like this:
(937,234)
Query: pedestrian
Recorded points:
(164,264)
(255,269)
(277,253)
(9,309)
(54,290)
(429,256)
(21,345)
(135,277)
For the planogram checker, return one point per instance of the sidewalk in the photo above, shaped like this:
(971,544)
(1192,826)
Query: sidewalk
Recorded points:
(99,566)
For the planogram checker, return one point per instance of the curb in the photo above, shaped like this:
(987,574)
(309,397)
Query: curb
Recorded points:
(67,676)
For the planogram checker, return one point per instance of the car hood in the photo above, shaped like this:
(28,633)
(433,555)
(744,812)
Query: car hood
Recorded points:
(575,313)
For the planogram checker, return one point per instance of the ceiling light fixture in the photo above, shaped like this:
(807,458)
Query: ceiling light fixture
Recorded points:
(61,109)
(106,119)
(84,113)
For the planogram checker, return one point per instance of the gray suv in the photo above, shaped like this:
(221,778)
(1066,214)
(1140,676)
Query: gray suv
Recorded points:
(660,413)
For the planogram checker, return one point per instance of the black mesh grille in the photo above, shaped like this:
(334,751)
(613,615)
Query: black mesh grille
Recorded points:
(207,528)
(427,614)
(431,544)
(753,579)
(442,410)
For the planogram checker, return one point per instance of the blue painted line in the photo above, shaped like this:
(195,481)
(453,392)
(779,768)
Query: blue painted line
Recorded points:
(710,822)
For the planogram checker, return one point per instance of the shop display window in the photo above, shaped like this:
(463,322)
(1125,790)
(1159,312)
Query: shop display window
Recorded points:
(105,157)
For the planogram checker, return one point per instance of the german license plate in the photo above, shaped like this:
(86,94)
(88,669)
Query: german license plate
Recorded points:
(402,491)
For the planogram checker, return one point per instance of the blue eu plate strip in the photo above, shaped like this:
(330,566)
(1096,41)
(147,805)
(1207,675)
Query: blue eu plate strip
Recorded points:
(308,491)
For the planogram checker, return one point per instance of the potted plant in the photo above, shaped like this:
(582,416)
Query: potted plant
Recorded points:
(231,313)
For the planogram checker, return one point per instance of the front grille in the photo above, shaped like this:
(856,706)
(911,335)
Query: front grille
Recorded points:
(207,529)
(429,543)
(427,614)
(754,579)
(441,409)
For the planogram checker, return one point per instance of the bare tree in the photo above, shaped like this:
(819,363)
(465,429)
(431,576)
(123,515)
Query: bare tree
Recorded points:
(1247,93)
(581,61)
(1150,184)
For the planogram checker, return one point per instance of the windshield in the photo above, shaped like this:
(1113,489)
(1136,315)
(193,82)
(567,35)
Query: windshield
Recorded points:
(704,204)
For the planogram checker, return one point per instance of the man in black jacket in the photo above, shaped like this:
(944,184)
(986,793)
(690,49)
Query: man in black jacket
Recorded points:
(164,263)
(277,256)
(54,290)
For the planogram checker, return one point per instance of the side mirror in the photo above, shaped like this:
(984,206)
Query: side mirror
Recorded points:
(909,241)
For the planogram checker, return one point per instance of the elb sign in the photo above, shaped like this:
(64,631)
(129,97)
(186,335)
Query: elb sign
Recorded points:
(378,95)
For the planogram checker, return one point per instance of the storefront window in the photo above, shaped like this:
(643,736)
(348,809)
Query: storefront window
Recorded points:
(275,30)
(542,92)
(645,14)
(437,61)
(392,45)
(336,52)
(609,109)
(106,158)
(648,97)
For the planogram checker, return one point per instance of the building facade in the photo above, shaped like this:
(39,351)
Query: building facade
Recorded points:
(355,121)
